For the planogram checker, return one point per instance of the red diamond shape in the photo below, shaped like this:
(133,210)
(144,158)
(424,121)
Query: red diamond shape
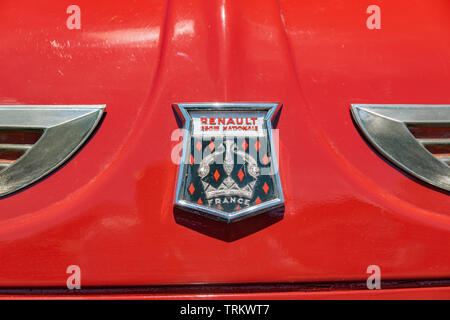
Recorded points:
(257,145)
(240,175)
(238,207)
(191,189)
(212,146)
(216,175)
(191,160)
(199,146)
(258,200)
(245,145)
(265,187)
(219,207)
(200,201)
(265,160)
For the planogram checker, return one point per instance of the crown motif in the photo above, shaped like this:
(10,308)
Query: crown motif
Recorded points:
(228,187)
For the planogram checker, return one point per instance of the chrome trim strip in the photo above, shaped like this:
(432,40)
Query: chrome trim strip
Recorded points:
(434,142)
(15,147)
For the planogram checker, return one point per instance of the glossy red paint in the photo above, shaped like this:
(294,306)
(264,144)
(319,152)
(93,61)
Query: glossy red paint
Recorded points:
(110,208)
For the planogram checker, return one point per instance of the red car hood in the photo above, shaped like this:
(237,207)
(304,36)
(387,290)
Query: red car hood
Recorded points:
(110,209)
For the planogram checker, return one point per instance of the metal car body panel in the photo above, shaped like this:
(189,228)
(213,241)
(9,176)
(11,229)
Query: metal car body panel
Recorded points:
(110,209)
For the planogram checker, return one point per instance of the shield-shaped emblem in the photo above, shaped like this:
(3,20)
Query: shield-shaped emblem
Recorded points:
(228,168)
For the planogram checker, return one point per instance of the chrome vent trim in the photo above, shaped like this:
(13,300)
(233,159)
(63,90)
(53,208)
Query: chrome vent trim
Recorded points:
(386,128)
(64,129)
(14,146)
(439,147)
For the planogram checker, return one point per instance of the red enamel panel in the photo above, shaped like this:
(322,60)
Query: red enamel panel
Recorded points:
(110,208)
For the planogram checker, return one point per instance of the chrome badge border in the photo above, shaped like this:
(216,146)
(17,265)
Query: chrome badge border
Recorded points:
(182,112)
